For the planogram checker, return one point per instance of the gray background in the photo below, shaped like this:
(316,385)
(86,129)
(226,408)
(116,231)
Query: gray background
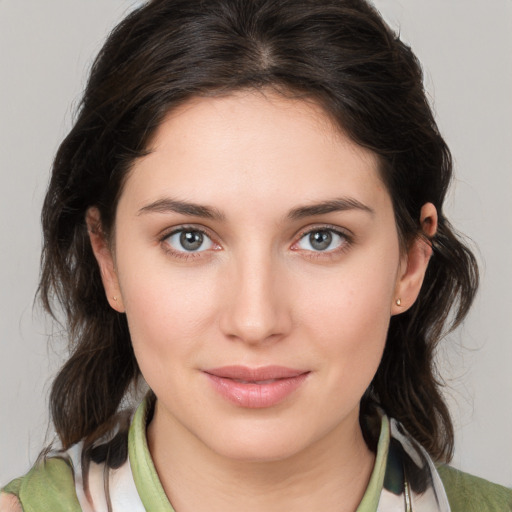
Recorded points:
(465,46)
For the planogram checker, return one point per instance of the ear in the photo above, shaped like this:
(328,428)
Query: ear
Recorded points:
(104,257)
(414,263)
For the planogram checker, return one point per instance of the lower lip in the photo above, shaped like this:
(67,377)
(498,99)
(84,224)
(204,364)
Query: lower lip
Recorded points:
(256,396)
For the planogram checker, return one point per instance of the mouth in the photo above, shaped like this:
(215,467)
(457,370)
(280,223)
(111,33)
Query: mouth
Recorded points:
(268,381)
(256,387)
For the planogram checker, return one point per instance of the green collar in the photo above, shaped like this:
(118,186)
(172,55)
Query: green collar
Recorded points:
(152,493)
(145,476)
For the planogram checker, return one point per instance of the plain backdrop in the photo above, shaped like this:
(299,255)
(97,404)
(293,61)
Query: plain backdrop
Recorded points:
(465,46)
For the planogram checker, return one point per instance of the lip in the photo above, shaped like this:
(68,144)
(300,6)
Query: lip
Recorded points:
(255,388)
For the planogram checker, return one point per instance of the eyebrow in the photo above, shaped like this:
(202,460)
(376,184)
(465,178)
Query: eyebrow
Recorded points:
(167,205)
(333,205)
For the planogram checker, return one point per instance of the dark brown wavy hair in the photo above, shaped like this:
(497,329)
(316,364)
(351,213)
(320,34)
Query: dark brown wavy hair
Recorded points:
(338,53)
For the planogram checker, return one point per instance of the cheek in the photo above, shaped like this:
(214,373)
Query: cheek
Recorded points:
(348,314)
(355,299)
(168,313)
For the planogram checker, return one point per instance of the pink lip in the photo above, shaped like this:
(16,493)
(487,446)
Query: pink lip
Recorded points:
(255,387)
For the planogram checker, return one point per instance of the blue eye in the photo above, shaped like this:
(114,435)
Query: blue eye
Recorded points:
(321,240)
(189,240)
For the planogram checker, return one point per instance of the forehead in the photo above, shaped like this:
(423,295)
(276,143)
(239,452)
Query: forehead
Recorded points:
(254,147)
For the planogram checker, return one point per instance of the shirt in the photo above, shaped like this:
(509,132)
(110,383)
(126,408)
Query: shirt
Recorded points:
(404,478)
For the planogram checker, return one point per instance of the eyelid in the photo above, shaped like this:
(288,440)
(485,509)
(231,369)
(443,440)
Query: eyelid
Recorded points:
(325,227)
(344,233)
(167,233)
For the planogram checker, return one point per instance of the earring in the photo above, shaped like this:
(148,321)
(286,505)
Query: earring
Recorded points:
(115,298)
(398,301)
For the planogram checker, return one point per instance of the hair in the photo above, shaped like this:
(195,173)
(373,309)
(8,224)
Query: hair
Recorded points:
(337,53)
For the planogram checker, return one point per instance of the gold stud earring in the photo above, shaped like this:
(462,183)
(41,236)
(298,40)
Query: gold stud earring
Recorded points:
(399,301)
(115,298)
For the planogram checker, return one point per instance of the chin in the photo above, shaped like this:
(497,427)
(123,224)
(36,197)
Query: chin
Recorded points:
(259,443)
(261,453)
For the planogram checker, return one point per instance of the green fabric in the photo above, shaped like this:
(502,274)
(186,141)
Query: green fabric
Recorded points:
(144,473)
(468,493)
(48,486)
(152,493)
(372,494)
(13,487)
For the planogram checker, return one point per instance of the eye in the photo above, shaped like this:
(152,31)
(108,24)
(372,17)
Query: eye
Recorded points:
(321,240)
(189,240)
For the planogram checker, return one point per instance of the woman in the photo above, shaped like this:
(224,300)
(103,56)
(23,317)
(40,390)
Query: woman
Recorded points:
(248,214)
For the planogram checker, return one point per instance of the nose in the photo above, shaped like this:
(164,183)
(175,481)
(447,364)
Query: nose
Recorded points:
(257,306)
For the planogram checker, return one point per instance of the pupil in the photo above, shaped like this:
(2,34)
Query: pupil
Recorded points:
(320,240)
(191,240)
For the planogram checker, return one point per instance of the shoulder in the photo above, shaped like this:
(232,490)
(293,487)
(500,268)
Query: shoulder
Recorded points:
(468,493)
(48,486)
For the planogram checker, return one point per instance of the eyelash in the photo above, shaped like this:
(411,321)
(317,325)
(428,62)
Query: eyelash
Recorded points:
(346,242)
(185,255)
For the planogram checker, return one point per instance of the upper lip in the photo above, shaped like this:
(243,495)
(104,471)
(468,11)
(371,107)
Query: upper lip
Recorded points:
(261,373)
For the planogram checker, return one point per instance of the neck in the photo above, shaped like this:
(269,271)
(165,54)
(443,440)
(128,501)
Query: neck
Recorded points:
(329,475)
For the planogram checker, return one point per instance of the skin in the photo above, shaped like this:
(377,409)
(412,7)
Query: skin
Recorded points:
(9,503)
(258,293)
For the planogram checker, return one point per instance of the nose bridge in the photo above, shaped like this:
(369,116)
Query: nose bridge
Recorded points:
(257,309)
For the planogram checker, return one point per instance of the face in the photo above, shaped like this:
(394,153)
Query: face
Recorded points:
(258,263)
